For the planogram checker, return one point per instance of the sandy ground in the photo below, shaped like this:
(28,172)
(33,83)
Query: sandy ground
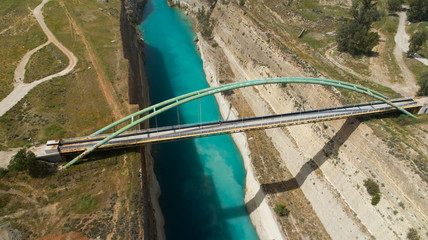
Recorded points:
(21,88)
(5,156)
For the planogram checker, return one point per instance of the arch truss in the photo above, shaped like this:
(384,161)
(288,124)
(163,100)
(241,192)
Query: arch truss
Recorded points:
(161,107)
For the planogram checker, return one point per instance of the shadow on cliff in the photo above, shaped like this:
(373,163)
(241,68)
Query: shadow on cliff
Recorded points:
(329,149)
(148,10)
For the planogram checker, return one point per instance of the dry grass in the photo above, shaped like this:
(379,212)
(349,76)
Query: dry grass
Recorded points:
(71,104)
(19,33)
(46,61)
(76,199)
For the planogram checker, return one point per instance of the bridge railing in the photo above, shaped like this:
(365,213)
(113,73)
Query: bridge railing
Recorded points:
(185,130)
(154,110)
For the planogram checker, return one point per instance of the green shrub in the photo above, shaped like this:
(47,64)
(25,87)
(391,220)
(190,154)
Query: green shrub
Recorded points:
(413,234)
(4,187)
(3,172)
(371,186)
(423,84)
(416,41)
(22,161)
(354,36)
(281,210)
(418,10)
(53,131)
(394,5)
(375,199)
(26,161)
(4,200)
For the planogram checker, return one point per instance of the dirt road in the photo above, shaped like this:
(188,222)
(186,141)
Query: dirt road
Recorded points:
(21,88)
(401,38)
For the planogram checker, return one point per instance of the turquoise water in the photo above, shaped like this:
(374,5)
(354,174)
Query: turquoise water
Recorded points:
(202,180)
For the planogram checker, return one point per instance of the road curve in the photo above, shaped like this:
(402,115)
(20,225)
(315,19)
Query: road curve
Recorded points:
(409,88)
(21,88)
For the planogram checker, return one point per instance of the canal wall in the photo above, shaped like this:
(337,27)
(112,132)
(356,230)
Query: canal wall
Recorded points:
(138,93)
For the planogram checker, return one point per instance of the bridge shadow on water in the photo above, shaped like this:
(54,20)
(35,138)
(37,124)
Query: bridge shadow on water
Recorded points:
(189,201)
(331,147)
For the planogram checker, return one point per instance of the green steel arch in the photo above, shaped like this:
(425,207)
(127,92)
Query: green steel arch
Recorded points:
(174,102)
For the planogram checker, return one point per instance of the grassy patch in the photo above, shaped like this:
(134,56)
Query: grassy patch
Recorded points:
(46,61)
(4,187)
(403,136)
(415,66)
(86,204)
(19,33)
(72,105)
(53,131)
(4,200)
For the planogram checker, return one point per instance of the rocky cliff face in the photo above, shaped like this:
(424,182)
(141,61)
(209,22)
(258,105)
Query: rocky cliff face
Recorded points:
(138,91)
(133,9)
(319,166)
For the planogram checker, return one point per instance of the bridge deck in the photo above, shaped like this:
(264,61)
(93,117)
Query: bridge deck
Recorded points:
(178,132)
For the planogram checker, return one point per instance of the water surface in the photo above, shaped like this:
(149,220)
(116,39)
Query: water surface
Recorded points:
(202,180)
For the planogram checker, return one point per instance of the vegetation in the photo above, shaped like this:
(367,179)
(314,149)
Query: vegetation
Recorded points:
(19,34)
(55,108)
(354,36)
(373,189)
(416,41)
(205,24)
(281,210)
(23,161)
(418,10)
(423,84)
(86,204)
(413,234)
(46,61)
(371,186)
(375,199)
(394,5)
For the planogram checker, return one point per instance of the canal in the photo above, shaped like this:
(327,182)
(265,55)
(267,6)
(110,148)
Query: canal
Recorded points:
(202,180)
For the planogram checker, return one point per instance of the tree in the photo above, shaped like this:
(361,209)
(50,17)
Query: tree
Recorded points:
(416,41)
(205,24)
(418,10)
(354,36)
(394,5)
(365,12)
(26,161)
(423,84)
(371,186)
(22,161)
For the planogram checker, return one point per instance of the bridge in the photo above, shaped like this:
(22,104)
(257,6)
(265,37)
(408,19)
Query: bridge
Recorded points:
(124,138)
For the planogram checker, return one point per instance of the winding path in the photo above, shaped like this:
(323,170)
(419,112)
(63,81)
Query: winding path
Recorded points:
(409,87)
(402,46)
(21,88)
